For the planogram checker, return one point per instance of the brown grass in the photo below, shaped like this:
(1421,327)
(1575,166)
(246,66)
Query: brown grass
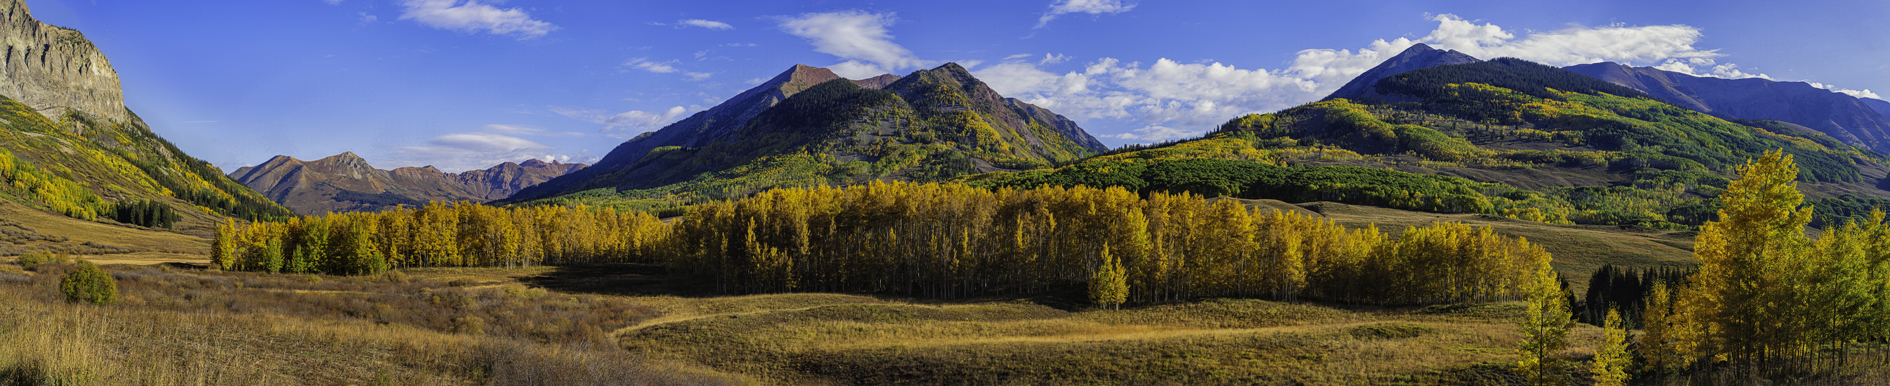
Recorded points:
(24,229)
(202,328)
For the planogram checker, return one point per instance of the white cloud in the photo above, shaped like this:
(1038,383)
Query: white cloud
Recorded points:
(1865,93)
(1157,133)
(366,18)
(641,121)
(457,152)
(632,122)
(1054,59)
(698,75)
(647,65)
(1093,7)
(857,37)
(1016,57)
(472,16)
(710,24)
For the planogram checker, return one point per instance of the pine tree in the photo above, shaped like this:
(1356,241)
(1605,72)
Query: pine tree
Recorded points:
(1545,329)
(1611,359)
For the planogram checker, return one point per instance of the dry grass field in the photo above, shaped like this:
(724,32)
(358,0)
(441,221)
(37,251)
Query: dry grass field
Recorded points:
(634,324)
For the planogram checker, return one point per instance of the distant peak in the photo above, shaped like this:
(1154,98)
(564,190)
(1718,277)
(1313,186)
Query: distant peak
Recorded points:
(532,163)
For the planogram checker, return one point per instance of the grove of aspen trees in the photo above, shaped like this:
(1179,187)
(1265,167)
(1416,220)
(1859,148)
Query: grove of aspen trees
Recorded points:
(940,241)
(1767,296)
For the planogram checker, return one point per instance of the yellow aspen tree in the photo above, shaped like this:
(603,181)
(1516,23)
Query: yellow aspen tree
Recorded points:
(223,249)
(1545,329)
(1611,358)
(1656,345)
(1748,257)
(1109,287)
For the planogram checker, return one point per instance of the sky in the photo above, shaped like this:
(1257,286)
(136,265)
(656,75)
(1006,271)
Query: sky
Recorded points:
(468,84)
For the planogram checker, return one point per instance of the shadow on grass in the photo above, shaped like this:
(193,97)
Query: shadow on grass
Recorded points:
(655,280)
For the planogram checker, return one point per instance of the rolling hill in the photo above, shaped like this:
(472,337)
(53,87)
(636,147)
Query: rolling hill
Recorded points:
(346,183)
(808,126)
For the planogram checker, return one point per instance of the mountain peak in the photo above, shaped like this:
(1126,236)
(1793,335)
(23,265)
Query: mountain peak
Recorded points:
(1417,57)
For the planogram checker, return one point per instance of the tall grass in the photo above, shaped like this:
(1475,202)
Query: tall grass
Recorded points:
(44,342)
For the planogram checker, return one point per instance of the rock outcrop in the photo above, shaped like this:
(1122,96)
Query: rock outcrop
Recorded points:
(52,68)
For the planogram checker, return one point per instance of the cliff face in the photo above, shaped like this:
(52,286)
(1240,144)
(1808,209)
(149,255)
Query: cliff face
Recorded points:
(51,68)
(346,183)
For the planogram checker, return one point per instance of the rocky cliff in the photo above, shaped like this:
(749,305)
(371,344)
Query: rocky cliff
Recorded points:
(345,182)
(52,68)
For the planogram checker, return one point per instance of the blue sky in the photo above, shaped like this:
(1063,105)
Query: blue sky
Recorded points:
(467,84)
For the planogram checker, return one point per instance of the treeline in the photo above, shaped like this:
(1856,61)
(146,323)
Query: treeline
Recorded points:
(145,213)
(457,235)
(1767,299)
(928,240)
(953,241)
(1625,290)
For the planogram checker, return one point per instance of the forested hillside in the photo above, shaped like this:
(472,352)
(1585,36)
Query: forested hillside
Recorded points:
(1504,137)
(931,125)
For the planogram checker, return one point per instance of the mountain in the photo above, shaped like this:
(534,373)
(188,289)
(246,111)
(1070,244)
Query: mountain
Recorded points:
(345,182)
(1504,137)
(68,144)
(1843,117)
(1880,106)
(1416,57)
(808,126)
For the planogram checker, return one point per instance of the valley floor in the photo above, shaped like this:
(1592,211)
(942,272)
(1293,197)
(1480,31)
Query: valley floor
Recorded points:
(630,324)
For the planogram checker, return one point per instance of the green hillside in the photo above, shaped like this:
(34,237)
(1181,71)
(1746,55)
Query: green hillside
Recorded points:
(1505,137)
(931,125)
(88,169)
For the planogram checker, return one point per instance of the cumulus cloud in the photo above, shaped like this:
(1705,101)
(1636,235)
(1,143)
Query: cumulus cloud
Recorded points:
(1093,7)
(859,38)
(1865,93)
(471,16)
(1167,94)
(1054,59)
(710,24)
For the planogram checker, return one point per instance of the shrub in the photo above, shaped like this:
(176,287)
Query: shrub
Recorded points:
(89,284)
(41,257)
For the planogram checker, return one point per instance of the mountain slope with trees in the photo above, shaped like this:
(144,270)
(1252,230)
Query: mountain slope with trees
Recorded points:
(808,127)
(68,144)
(1504,137)
(1848,119)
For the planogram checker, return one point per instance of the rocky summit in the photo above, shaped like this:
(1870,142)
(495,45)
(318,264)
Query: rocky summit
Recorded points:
(346,182)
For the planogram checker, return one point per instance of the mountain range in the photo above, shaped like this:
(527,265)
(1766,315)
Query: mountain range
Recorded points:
(1846,118)
(345,182)
(808,126)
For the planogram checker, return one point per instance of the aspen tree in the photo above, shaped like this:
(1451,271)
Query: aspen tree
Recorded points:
(1545,329)
(1611,358)
(1108,287)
